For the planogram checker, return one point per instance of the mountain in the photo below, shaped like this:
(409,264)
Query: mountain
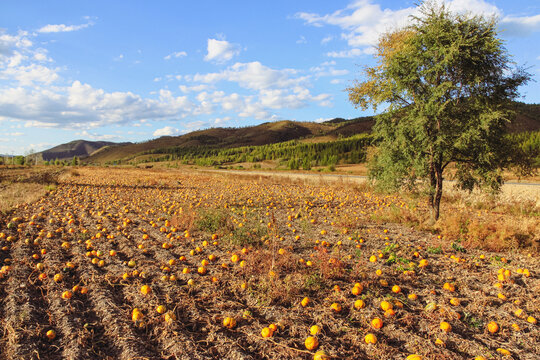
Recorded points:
(267,133)
(527,119)
(79,148)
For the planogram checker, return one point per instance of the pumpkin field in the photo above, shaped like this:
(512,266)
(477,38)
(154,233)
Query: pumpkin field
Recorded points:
(126,263)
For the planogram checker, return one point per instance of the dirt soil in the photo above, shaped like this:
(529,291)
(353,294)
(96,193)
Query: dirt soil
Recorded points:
(212,246)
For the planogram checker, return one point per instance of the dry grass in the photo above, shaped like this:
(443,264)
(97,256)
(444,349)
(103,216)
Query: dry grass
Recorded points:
(19,193)
(21,185)
(476,220)
(481,224)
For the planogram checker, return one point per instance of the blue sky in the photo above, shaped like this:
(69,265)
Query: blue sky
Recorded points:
(136,70)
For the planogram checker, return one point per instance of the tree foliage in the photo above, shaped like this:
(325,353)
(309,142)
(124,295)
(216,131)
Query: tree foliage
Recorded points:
(296,154)
(447,80)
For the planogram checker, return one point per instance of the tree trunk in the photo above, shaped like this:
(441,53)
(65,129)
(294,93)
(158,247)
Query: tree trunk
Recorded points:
(438,193)
(433,213)
(435,191)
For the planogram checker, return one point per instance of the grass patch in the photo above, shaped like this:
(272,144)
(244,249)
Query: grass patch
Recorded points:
(13,194)
(213,220)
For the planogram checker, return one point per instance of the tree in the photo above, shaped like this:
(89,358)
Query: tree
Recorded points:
(447,80)
(19,160)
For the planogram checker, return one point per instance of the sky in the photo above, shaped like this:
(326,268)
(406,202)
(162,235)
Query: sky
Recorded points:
(137,70)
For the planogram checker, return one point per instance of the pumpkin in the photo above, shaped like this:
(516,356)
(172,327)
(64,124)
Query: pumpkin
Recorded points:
(145,289)
(359,304)
(266,332)
(385,305)
(493,327)
(311,343)
(377,323)
(229,322)
(320,355)
(446,327)
(51,334)
(370,338)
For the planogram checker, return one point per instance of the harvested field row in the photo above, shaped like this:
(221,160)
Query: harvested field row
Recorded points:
(135,264)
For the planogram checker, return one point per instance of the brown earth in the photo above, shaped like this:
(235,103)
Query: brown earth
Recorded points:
(297,239)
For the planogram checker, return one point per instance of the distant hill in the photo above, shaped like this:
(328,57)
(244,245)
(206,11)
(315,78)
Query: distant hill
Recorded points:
(267,133)
(527,119)
(79,148)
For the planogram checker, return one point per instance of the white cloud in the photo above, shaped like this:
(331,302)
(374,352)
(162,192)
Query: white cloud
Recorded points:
(97,137)
(253,75)
(27,75)
(298,98)
(41,55)
(9,42)
(195,125)
(243,106)
(171,77)
(275,89)
(15,59)
(334,72)
(348,53)
(520,26)
(176,54)
(14,50)
(326,69)
(34,94)
(321,120)
(81,106)
(220,51)
(119,57)
(363,21)
(477,7)
(327,39)
(62,28)
(194,88)
(336,81)
(223,120)
(166,131)
(21,64)
(267,99)
(302,40)
(41,146)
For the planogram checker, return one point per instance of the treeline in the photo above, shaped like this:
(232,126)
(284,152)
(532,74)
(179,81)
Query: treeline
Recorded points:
(526,150)
(293,154)
(525,154)
(31,160)
(73,162)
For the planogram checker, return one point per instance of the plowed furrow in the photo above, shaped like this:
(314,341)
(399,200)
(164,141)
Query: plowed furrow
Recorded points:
(130,343)
(26,316)
(67,312)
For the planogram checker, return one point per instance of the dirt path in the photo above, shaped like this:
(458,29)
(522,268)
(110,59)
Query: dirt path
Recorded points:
(512,190)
